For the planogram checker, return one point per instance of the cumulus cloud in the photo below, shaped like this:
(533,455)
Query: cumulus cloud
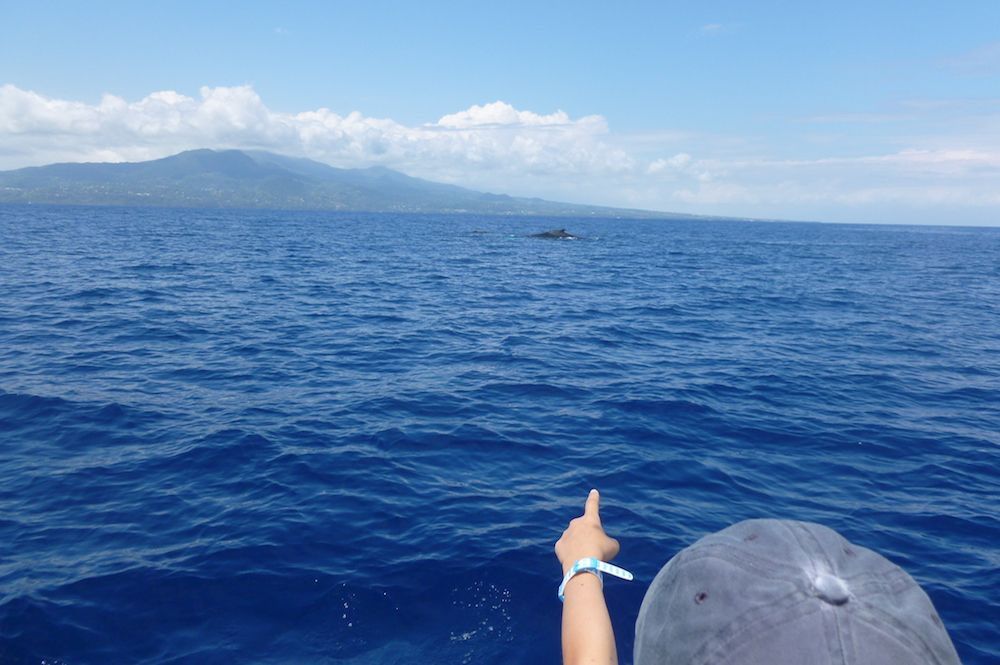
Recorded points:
(497,147)
(499,114)
(496,137)
(678,162)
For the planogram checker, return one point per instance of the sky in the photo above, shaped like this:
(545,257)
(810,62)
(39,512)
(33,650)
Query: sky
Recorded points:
(879,112)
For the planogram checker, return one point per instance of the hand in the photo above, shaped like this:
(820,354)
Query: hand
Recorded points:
(585,537)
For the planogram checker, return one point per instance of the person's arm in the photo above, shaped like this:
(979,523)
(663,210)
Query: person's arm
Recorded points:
(587,636)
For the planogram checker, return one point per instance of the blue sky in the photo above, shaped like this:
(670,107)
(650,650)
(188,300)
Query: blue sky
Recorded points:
(839,111)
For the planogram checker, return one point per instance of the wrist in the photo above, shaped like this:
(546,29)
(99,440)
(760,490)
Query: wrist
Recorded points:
(591,580)
(582,568)
(568,562)
(591,566)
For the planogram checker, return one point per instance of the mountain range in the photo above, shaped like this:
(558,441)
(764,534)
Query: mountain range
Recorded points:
(257,179)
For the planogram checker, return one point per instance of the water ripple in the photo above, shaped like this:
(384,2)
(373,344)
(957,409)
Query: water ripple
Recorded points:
(292,437)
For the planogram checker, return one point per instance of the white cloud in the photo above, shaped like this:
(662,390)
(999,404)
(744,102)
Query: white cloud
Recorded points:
(497,147)
(494,138)
(676,163)
(680,167)
(503,114)
(843,188)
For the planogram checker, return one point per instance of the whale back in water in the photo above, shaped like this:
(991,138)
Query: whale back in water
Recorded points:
(556,234)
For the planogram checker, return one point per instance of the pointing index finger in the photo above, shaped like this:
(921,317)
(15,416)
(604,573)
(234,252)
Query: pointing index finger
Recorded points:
(593,506)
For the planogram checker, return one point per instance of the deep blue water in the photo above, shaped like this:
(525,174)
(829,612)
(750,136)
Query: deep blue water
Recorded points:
(311,438)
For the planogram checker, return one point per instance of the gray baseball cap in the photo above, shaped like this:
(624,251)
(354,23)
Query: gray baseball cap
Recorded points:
(779,592)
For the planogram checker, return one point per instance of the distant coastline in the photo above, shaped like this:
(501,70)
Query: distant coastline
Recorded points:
(257,180)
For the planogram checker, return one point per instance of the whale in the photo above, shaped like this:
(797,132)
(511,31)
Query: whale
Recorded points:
(555,234)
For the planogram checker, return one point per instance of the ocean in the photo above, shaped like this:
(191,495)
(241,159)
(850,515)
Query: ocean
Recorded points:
(270,437)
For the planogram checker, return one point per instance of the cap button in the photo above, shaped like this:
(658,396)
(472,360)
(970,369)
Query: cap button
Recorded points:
(832,589)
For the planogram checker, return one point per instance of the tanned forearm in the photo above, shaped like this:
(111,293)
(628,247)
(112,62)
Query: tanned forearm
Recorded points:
(587,637)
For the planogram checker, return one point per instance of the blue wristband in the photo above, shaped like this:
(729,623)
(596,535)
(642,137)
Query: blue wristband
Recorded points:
(592,565)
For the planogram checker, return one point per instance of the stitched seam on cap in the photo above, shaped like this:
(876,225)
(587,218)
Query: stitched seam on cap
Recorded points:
(799,526)
(719,644)
(840,622)
(749,563)
(880,620)
(894,581)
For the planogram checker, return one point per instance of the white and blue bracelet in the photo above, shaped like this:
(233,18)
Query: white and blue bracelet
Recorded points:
(592,565)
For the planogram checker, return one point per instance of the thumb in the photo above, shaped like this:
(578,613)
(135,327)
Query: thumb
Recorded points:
(592,509)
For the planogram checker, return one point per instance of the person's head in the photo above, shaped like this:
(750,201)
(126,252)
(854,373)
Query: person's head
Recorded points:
(779,592)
